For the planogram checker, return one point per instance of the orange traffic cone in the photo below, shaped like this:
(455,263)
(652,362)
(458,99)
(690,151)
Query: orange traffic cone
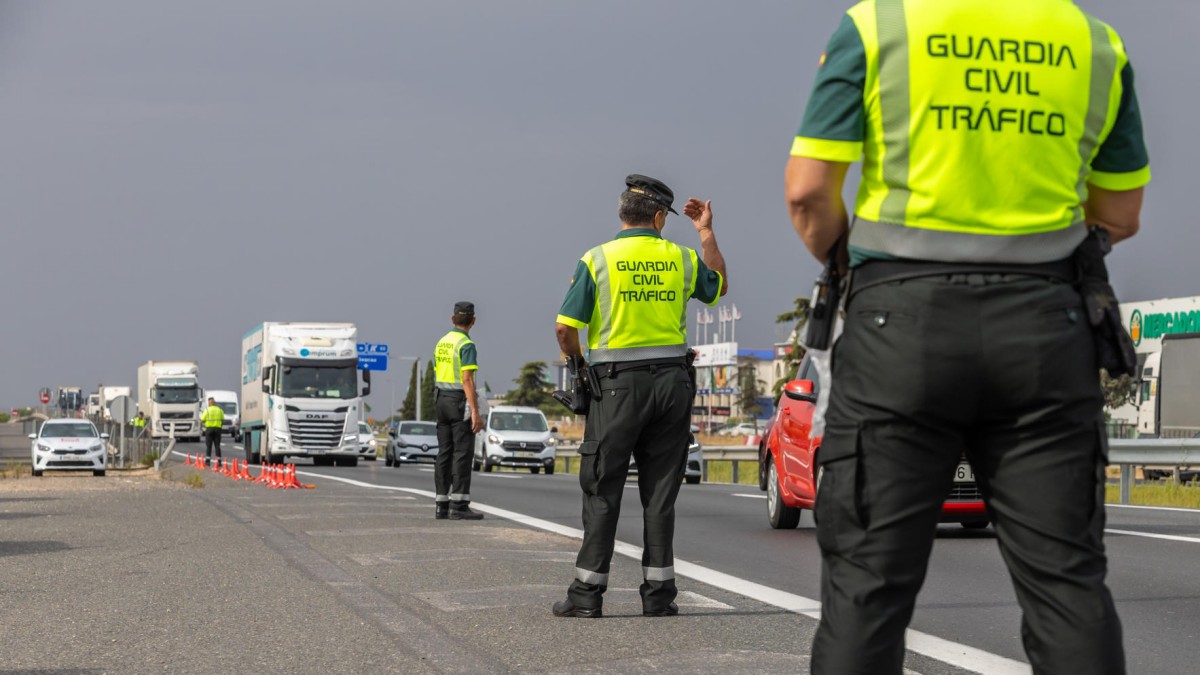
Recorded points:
(262,474)
(199,464)
(245,473)
(230,467)
(295,482)
(188,461)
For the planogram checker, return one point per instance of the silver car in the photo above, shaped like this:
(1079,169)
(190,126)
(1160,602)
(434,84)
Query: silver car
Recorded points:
(692,470)
(412,442)
(68,444)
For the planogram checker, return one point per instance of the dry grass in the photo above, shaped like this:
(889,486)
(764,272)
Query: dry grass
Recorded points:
(1185,496)
(15,470)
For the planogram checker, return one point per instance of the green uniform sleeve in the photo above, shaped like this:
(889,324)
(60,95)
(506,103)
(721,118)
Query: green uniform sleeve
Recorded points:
(1122,162)
(834,125)
(708,284)
(468,357)
(580,303)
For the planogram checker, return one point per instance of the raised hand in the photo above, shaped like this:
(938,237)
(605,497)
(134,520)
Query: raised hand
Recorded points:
(700,213)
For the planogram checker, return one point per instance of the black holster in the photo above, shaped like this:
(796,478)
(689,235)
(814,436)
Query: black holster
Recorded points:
(585,385)
(1114,348)
(823,307)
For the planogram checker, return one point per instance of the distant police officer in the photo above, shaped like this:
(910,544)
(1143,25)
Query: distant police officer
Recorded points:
(458,416)
(139,424)
(212,419)
(994,134)
(631,294)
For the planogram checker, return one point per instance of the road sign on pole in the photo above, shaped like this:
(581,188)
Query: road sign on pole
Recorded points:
(372,356)
(44,396)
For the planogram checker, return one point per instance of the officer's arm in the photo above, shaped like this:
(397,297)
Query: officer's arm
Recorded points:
(1119,212)
(568,340)
(814,197)
(468,380)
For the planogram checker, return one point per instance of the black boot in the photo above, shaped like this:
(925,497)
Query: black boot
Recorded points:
(443,511)
(462,511)
(670,610)
(567,609)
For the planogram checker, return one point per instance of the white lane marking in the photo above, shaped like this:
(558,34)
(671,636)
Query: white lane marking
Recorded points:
(499,475)
(1151,535)
(426,470)
(941,649)
(1153,508)
(742,494)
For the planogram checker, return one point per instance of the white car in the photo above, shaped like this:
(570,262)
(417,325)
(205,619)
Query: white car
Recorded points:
(412,442)
(366,441)
(68,444)
(515,436)
(743,429)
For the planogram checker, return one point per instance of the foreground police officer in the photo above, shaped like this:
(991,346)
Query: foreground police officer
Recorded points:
(631,294)
(212,419)
(455,363)
(994,134)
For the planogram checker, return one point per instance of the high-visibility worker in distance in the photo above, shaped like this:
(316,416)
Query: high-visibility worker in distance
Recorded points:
(212,419)
(458,416)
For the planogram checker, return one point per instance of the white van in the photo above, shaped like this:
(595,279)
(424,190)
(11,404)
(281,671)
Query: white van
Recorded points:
(515,436)
(228,402)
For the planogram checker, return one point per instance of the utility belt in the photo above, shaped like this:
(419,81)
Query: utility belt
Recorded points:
(1085,270)
(613,368)
(876,272)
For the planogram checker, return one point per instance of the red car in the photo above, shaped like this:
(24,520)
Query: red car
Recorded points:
(787,459)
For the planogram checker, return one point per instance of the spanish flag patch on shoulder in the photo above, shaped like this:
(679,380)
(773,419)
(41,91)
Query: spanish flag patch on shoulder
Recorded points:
(822,60)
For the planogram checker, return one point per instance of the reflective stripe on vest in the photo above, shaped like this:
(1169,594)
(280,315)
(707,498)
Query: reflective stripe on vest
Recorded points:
(956,102)
(448,360)
(642,288)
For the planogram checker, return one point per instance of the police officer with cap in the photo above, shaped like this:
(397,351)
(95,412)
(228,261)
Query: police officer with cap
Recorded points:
(970,327)
(458,416)
(631,295)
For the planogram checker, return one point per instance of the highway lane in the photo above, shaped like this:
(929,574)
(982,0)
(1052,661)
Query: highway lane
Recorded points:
(967,597)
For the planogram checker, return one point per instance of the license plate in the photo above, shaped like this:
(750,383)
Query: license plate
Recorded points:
(964,474)
(524,453)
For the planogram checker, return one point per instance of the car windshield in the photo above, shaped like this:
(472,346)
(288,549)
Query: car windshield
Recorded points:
(69,430)
(514,421)
(364,428)
(417,429)
(318,382)
(228,408)
(176,394)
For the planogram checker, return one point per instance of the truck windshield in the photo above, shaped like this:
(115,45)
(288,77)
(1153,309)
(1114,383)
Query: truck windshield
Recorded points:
(176,394)
(318,382)
(229,408)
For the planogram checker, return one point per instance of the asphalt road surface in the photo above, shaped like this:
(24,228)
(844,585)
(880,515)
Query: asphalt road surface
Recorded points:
(967,598)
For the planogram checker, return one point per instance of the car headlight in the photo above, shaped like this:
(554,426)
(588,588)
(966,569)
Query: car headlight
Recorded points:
(43,447)
(350,437)
(551,441)
(373,443)
(96,448)
(494,439)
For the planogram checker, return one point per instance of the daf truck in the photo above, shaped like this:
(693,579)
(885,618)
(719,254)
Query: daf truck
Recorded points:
(169,395)
(300,393)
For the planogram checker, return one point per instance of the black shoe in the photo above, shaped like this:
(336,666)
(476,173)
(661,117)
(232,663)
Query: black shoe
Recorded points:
(465,513)
(670,610)
(565,608)
(442,512)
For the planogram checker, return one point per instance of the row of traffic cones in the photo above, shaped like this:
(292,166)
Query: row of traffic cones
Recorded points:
(277,476)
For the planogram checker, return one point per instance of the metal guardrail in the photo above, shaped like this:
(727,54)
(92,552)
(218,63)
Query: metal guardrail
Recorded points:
(1130,452)
(1126,453)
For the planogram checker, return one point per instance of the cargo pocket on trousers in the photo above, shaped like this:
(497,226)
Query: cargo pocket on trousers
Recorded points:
(839,509)
(588,456)
(1101,469)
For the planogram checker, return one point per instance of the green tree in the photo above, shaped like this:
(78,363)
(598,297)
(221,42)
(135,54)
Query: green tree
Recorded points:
(797,317)
(427,388)
(532,388)
(1118,391)
(4,417)
(408,408)
(749,393)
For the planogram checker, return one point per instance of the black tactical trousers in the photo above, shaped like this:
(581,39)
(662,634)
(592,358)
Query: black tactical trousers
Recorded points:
(456,445)
(212,441)
(645,413)
(1003,369)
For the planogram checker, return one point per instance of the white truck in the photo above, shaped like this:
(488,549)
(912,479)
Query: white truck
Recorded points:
(170,396)
(1169,395)
(105,396)
(300,393)
(227,401)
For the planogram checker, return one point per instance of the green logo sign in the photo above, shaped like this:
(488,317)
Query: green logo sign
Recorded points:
(1135,327)
(1154,326)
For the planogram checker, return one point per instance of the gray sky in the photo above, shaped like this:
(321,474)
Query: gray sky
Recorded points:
(174,173)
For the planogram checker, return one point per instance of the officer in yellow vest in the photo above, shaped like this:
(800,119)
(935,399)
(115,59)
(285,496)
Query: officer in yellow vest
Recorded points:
(212,419)
(458,416)
(139,424)
(631,295)
(1001,141)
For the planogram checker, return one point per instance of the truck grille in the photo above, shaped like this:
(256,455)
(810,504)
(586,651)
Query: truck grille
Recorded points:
(529,447)
(316,433)
(175,416)
(965,492)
